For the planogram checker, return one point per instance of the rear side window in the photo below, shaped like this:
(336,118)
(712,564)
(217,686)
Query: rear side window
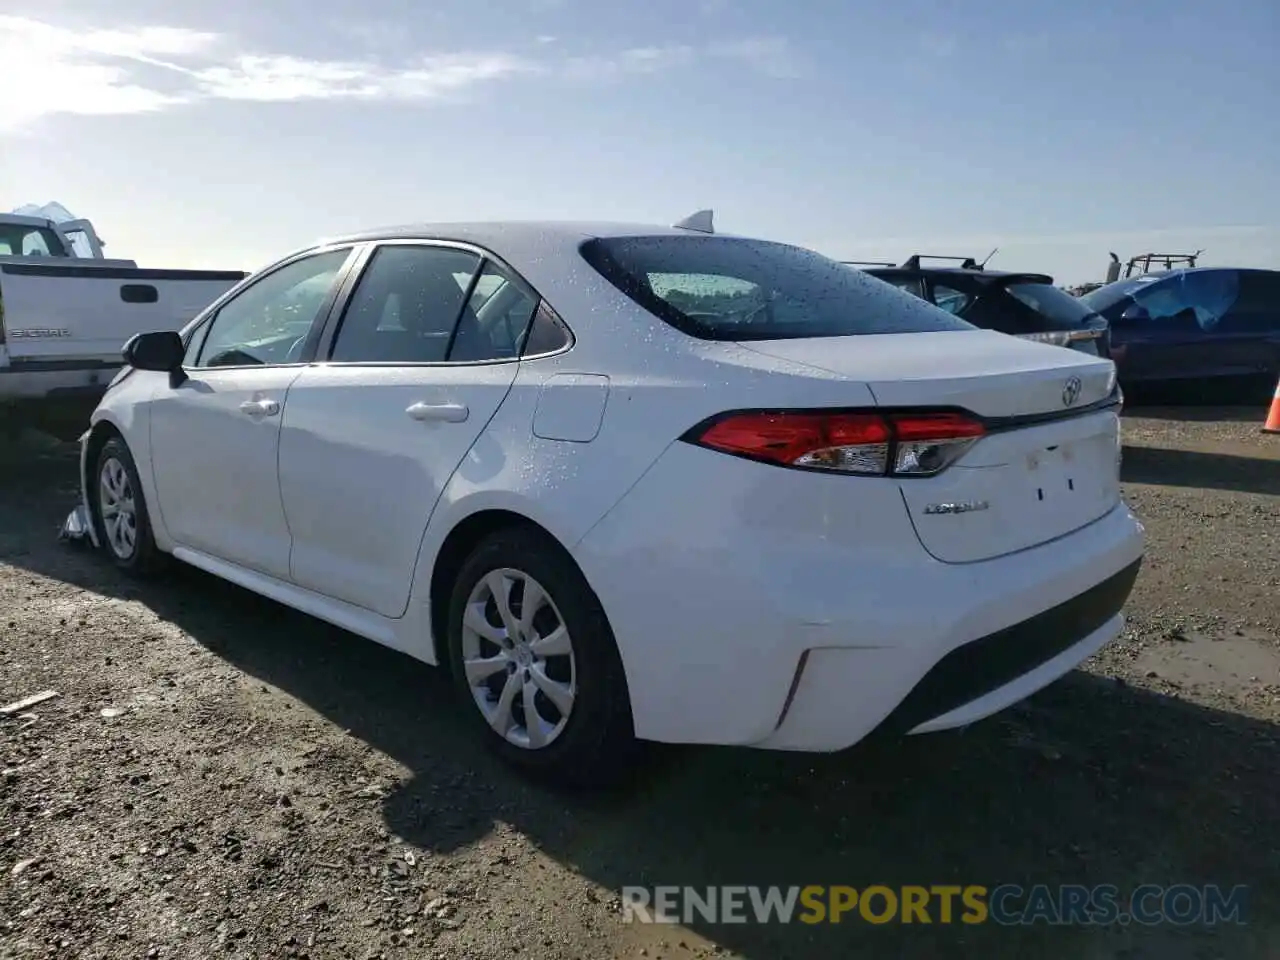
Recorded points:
(497,318)
(726,288)
(1185,299)
(20,241)
(951,300)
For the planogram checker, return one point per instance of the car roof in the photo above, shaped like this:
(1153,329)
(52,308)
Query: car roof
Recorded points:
(1177,270)
(530,246)
(962,272)
(496,233)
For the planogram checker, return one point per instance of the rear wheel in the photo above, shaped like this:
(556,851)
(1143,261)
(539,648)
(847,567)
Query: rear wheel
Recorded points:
(535,662)
(120,511)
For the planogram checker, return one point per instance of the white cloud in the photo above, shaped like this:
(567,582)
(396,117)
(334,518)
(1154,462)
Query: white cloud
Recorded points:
(150,68)
(637,60)
(55,70)
(283,78)
(772,56)
(106,72)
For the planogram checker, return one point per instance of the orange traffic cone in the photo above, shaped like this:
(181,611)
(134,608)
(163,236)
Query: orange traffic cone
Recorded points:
(1273,416)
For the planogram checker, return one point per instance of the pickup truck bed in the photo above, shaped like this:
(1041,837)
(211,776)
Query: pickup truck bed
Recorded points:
(63,322)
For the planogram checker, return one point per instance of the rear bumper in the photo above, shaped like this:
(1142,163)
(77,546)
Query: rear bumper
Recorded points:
(768,608)
(983,676)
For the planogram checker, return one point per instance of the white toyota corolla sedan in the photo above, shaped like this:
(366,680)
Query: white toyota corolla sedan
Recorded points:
(633,482)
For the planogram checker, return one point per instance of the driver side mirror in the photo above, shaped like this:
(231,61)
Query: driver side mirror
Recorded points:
(162,351)
(1135,313)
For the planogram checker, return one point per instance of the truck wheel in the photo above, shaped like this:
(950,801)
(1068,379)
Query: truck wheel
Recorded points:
(119,511)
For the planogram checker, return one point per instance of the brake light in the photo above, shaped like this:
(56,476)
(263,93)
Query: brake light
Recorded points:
(903,443)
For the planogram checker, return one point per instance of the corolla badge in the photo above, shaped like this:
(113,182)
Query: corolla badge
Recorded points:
(964,506)
(1071,391)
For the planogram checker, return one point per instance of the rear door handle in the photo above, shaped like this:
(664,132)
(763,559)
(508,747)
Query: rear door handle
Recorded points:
(260,408)
(447,412)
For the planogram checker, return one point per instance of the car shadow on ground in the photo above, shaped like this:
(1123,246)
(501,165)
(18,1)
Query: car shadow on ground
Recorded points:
(1092,782)
(1246,413)
(1231,398)
(1191,468)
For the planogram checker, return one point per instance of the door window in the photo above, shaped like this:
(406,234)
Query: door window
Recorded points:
(1257,309)
(1187,300)
(949,299)
(19,241)
(497,318)
(406,306)
(547,333)
(268,322)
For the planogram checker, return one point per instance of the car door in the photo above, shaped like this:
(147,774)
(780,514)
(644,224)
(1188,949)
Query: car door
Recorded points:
(215,436)
(1244,339)
(421,357)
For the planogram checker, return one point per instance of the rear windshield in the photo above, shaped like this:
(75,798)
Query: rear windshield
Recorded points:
(727,288)
(1057,306)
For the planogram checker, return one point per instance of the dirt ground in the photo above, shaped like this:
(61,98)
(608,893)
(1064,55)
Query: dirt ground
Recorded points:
(220,776)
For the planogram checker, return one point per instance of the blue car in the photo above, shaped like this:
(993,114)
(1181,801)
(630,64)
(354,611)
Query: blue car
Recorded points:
(1196,324)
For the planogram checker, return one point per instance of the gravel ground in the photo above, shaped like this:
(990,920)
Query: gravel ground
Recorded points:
(220,776)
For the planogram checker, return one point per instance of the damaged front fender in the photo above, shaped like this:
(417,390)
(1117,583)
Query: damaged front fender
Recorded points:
(78,526)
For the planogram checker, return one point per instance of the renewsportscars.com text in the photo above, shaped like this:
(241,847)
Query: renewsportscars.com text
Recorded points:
(1007,904)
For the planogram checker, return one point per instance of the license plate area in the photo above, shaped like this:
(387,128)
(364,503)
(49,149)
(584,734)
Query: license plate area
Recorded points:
(1019,489)
(1072,474)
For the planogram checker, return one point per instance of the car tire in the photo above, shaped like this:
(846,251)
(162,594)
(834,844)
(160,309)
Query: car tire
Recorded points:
(119,511)
(566,646)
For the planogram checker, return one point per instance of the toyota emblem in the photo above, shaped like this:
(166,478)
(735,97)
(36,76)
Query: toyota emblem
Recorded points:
(1071,391)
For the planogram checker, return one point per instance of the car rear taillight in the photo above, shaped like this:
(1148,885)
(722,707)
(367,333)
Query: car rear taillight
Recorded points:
(910,443)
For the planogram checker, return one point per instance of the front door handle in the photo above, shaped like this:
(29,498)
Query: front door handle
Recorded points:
(260,408)
(448,412)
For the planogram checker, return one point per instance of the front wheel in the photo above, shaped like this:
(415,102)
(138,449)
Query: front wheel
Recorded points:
(120,511)
(535,661)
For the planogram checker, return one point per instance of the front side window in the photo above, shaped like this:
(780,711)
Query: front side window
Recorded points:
(268,322)
(1256,310)
(727,288)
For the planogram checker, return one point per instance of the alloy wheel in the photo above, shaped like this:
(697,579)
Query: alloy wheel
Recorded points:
(118,508)
(518,659)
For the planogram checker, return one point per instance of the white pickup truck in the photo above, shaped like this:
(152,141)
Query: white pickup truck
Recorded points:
(66,312)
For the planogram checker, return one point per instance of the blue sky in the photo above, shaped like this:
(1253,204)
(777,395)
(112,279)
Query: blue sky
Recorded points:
(220,135)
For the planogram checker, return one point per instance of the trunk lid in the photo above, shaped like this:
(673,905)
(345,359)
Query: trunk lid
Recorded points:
(1041,471)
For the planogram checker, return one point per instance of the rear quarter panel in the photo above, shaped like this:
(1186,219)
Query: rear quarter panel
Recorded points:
(660,383)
